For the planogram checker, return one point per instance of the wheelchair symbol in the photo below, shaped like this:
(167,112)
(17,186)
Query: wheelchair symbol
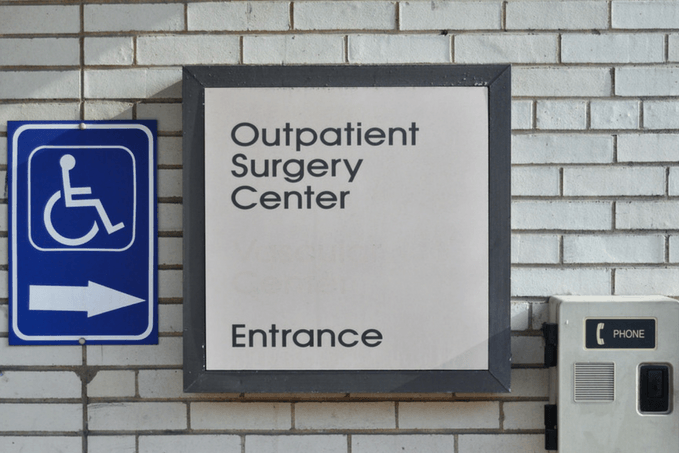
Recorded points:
(67,163)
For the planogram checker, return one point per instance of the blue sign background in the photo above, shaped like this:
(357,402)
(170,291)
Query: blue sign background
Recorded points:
(111,174)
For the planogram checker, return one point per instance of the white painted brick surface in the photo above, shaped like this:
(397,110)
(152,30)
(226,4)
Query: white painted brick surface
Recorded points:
(644,14)
(653,215)
(530,383)
(39,356)
(136,416)
(4,319)
(613,48)
(208,443)
(63,444)
(673,184)
(416,443)
(23,112)
(382,49)
(559,82)
(522,115)
(674,249)
(169,116)
(561,114)
(446,15)
(108,110)
(562,149)
(170,250)
(187,50)
(493,48)
(132,83)
(524,415)
(109,51)
(111,444)
(345,15)
(673,48)
(647,281)
(647,81)
(648,147)
(611,181)
(39,19)
(39,52)
(112,384)
(3,241)
(169,217)
(543,181)
(536,282)
(291,49)
(170,283)
(545,15)
(484,443)
(246,416)
(535,248)
(520,316)
(170,318)
(561,215)
(614,114)
(45,384)
(528,350)
(345,415)
(167,352)
(468,415)
(613,249)
(329,443)
(661,115)
(40,417)
(140,17)
(540,313)
(39,84)
(260,15)
(170,151)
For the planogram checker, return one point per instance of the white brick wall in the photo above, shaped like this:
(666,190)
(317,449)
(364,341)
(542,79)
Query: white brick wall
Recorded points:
(595,188)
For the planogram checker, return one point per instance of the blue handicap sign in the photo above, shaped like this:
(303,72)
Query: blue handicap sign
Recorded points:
(82,232)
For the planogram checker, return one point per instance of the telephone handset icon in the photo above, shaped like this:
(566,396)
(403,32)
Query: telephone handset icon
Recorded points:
(599,328)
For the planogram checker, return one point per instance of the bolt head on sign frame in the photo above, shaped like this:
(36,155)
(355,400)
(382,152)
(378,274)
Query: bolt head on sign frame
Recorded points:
(346,228)
(82,232)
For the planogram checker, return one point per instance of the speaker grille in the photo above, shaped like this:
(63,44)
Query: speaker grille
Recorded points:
(594,382)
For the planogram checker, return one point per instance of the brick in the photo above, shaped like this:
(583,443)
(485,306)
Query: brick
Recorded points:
(613,181)
(536,282)
(614,249)
(535,248)
(28,111)
(528,350)
(644,15)
(562,149)
(674,249)
(3,227)
(238,16)
(416,443)
(520,316)
(41,417)
(3,241)
(136,416)
(250,416)
(204,443)
(505,48)
(169,217)
(111,444)
(381,49)
(614,114)
(345,15)
(540,314)
(673,186)
(108,110)
(647,281)
(345,415)
(118,51)
(646,81)
(661,115)
(170,318)
(170,283)
(39,85)
(449,415)
(650,215)
(561,114)
(559,82)
(183,50)
(139,83)
(39,52)
(561,215)
(4,319)
(169,116)
(167,352)
(328,443)
(546,15)
(291,49)
(444,15)
(39,384)
(544,181)
(484,443)
(615,48)
(673,48)
(112,384)
(39,355)
(648,147)
(526,383)
(139,17)
(170,250)
(522,115)
(39,19)
(169,151)
(53,444)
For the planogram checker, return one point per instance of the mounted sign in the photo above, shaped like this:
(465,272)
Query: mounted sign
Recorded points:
(82,232)
(346,229)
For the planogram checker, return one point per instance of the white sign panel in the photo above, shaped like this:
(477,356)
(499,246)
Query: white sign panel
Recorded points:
(346,228)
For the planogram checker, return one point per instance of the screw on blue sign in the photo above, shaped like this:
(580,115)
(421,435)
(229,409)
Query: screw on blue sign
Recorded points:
(82,232)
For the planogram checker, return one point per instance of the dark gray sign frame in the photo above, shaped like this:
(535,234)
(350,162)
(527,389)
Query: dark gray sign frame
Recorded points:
(496,378)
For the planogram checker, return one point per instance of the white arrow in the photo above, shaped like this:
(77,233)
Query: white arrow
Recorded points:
(95,299)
